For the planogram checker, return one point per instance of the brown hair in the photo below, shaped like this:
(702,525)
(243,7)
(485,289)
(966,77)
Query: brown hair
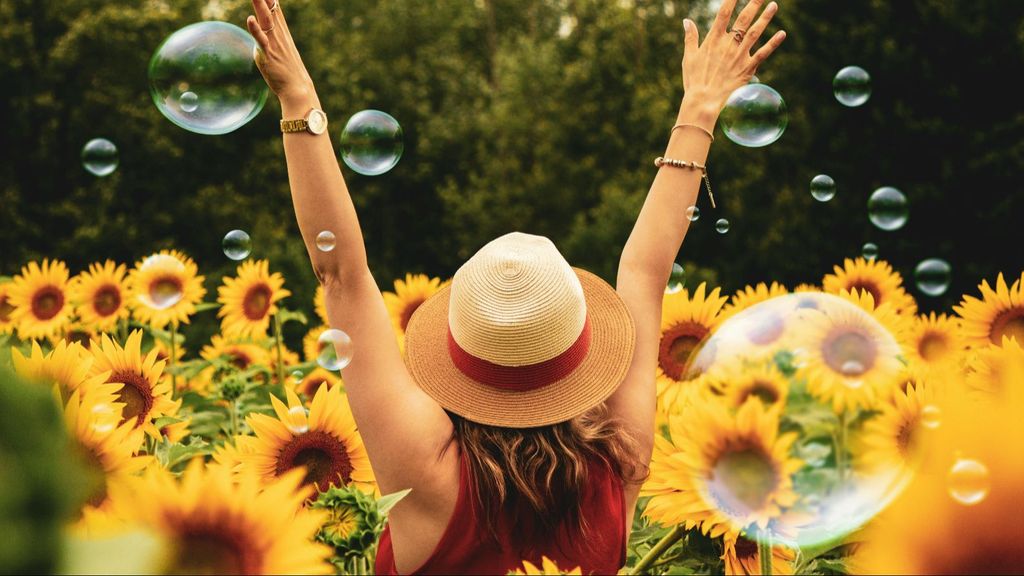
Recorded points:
(545,468)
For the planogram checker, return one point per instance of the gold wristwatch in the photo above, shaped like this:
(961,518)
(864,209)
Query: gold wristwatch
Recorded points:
(315,122)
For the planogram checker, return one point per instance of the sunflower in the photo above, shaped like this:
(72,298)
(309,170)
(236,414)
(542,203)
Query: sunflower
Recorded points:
(39,296)
(893,440)
(935,344)
(742,558)
(68,366)
(408,296)
(876,277)
(6,318)
(104,445)
(310,383)
(241,354)
(739,384)
(218,526)
(750,296)
(77,332)
(998,313)
(325,441)
(685,323)
(320,304)
(100,295)
(852,359)
(146,398)
(990,369)
(806,288)
(249,301)
(547,566)
(165,288)
(899,325)
(720,471)
(311,346)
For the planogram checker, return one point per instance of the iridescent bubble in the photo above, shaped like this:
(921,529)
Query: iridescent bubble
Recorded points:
(297,423)
(852,86)
(888,208)
(676,280)
(99,156)
(869,251)
(297,376)
(754,116)
(722,226)
(335,349)
(823,187)
(968,481)
(237,245)
(693,213)
(326,241)
(371,143)
(931,416)
(932,276)
(165,289)
(216,60)
(754,80)
(189,101)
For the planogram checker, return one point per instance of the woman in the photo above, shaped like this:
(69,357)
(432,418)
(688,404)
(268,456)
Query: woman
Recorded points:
(523,416)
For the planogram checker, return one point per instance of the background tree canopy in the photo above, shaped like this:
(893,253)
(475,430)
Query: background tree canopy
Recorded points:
(533,115)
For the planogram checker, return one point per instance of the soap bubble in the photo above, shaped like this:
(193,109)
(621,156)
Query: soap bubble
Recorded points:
(99,156)
(237,245)
(888,208)
(371,143)
(818,362)
(204,78)
(869,251)
(852,86)
(722,226)
(693,213)
(931,416)
(335,349)
(676,280)
(165,289)
(754,116)
(297,376)
(932,276)
(823,188)
(968,481)
(325,241)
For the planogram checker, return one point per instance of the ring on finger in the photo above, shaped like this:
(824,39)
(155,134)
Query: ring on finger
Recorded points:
(738,34)
(277,4)
(268,30)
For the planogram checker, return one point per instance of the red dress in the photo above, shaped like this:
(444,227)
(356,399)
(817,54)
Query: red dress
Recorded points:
(466,548)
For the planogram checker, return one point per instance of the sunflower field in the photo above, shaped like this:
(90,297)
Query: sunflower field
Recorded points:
(240,455)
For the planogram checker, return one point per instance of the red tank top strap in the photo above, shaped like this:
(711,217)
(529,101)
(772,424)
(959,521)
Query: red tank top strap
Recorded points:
(466,546)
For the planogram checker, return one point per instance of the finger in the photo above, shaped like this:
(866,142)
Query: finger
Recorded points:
(724,16)
(770,46)
(754,34)
(747,15)
(263,16)
(254,28)
(691,39)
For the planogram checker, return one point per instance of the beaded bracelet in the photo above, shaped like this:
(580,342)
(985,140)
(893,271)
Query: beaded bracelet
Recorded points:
(662,161)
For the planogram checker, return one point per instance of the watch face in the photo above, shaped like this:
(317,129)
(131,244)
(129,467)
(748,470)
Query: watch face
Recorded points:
(317,121)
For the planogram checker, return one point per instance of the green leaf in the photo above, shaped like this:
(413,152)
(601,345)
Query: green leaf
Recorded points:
(171,455)
(285,316)
(204,306)
(386,503)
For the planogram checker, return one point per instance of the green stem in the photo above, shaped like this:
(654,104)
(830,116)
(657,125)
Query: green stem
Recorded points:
(280,355)
(174,354)
(123,329)
(234,419)
(764,552)
(660,548)
(841,446)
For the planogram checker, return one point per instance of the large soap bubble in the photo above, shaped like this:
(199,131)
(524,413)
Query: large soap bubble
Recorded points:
(805,466)
(204,78)
(371,142)
(754,116)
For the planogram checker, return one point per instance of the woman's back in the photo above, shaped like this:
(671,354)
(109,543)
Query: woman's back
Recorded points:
(467,545)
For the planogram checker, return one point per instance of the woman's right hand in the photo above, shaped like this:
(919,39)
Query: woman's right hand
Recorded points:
(277,58)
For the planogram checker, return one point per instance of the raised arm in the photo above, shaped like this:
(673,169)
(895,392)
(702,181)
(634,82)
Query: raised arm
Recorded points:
(401,426)
(712,69)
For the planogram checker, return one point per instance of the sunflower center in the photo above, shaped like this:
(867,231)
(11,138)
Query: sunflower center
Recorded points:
(763,391)
(240,359)
(311,385)
(1009,323)
(165,291)
(905,437)
(745,549)
(5,310)
(677,344)
(47,302)
(94,476)
(256,303)
(742,481)
(107,300)
(410,307)
(870,288)
(78,337)
(136,394)
(849,353)
(324,456)
(933,346)
(211,550)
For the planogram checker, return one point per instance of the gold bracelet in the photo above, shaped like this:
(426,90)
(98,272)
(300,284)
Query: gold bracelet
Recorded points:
(701,128)
(662,161)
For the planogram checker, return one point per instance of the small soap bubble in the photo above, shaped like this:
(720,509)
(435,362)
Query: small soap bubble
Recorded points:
(823,188)
(888,209)
(722,226)
(335,350)
(693,213)
(968,481)
(165,289)
(297,376)
(237,245)
(869,251)
(852,86)
(676,280)
(297,421)
(99,157)
(325,241)
(754,116)
(189,101)
(931,417)
(932,276)
(371,142)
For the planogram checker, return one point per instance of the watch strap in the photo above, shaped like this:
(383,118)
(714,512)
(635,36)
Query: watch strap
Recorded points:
(288,126)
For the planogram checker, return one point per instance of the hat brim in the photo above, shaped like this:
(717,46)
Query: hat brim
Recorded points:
(613,338)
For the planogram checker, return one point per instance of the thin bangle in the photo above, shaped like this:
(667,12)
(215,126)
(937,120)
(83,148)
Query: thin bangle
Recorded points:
(701,128)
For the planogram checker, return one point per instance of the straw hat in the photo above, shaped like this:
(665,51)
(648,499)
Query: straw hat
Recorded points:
(520,338)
